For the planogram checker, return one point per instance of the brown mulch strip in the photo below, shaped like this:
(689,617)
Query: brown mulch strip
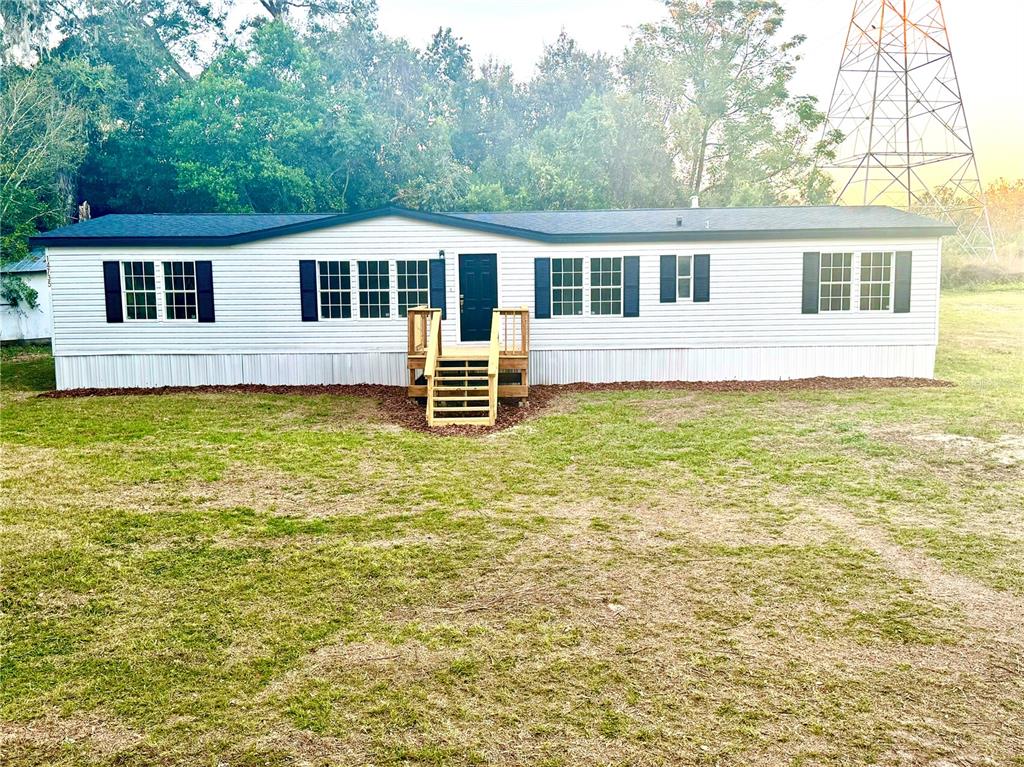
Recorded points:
(397,408)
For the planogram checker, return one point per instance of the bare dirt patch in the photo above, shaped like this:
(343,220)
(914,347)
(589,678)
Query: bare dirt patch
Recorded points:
(999,612)
(669,658)
(1006,450)
(51,734)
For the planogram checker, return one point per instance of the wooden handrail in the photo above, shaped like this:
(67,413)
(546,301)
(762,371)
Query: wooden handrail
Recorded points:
(418,329)
(430,364)
(492,364)
(515,338)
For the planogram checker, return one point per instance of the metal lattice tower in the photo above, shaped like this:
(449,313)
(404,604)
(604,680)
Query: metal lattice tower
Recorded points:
(898,106)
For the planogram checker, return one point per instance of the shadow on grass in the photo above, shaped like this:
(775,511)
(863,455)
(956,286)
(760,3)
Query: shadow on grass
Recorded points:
(27,368)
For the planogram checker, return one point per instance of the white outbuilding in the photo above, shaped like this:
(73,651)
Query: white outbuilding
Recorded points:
(18,321)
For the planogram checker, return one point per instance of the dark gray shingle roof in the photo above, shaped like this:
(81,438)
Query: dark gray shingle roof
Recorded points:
(669,220)
(168,225)
(660,224)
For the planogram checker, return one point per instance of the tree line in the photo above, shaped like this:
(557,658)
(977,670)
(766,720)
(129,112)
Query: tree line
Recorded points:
(153,106)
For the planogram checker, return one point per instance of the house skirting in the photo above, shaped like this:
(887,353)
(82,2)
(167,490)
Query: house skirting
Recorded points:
(546,366)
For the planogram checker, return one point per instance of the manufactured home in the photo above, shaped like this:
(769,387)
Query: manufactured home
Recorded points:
(465,307)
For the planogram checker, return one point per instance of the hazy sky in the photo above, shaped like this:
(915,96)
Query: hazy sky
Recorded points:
(986,37)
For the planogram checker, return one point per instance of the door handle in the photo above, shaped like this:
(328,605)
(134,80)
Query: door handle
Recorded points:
(462,300)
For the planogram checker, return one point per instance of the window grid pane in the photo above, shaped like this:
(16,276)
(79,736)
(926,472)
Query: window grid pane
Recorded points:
(413,285)
(374,289)
(139,290)
(683,274)
(566,286)
(875,281)
(606,285)
(335,289)
(836,278)
(180,290)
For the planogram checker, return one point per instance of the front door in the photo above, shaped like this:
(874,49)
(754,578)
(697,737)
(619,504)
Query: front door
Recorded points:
(478,294)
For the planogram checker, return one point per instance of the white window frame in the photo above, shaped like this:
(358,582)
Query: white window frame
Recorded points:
(582,286)
(861,283)
(399,290)
(822,282)
(319,291)
(162,302)
(689,277)
(591,287)
(390,293)
(157,281)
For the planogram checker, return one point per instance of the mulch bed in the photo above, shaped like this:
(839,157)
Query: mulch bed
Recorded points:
(397,408)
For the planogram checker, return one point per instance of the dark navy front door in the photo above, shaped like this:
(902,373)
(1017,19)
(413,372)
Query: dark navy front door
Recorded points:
(478,294)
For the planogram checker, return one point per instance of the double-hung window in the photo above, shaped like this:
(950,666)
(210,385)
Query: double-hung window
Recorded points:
(875,281)
(566,286)
(139,283)
(335,283)
(836,273)
(413,285)
(606,285)
(374,289)
(180,290)
(684,276)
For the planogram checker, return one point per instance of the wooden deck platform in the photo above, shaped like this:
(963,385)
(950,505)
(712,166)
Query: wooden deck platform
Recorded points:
(462,383)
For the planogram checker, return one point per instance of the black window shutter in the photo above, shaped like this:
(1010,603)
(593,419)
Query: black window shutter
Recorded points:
(631,286)
(307,290)
(437,294)
(901,292)
(701,278)
(542,288)
(668,280)
(112,290)
(812,284)
(204,291)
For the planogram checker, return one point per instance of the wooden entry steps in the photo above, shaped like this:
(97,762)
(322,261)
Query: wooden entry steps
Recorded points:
(463,383)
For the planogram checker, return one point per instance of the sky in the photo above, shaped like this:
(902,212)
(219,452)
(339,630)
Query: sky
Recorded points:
(985,37)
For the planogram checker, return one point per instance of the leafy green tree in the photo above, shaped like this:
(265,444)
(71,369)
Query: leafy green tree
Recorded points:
(41,144)
(566,77)
(607,154)
(718,79)
(261,131)
(313,107)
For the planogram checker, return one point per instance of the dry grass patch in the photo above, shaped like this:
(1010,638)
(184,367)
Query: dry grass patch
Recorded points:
(633,577)
(65,740)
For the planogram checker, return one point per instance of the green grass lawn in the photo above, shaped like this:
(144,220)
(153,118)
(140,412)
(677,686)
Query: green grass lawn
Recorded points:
(660,577)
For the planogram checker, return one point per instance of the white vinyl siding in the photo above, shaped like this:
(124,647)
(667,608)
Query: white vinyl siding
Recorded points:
(259,326)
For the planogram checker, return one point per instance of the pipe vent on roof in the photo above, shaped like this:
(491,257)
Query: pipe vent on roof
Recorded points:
(679,220)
